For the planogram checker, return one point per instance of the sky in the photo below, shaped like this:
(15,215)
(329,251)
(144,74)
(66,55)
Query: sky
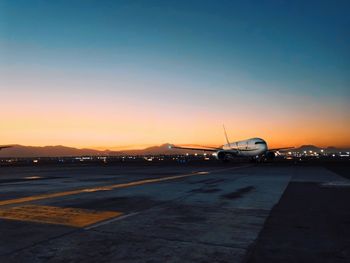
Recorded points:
(130,74)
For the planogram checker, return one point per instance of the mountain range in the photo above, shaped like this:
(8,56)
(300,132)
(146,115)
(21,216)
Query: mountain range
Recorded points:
(63,151)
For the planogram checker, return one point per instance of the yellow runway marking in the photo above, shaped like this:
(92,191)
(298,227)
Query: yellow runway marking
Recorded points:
(108,187)
(57,215)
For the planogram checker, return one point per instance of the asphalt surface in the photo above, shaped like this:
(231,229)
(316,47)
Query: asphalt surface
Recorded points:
(174,213)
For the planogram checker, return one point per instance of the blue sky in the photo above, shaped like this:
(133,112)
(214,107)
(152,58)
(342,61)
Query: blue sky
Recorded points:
(191,54)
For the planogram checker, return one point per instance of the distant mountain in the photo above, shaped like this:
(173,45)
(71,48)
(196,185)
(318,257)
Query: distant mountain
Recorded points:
(307,148)
(155,150)
(63,151)
(48,151)
(314,148)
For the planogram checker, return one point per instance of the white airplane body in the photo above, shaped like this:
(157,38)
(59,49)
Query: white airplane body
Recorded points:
(246,148)
(254,148)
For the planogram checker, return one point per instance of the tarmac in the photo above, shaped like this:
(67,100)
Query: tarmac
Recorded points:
(175,213)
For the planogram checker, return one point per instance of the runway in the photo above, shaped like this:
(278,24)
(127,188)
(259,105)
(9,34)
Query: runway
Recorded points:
(161,213)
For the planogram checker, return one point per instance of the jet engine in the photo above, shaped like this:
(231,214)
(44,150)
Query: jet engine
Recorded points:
(270,155)
(223,156)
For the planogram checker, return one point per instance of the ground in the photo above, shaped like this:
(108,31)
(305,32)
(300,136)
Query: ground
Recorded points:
(175,213)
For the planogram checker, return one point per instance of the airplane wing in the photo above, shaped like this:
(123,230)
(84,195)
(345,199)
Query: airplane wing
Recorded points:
(5,146)
(210,149)
(280,149)
(200,148)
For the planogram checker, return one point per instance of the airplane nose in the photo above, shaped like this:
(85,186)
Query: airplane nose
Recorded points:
(264,145)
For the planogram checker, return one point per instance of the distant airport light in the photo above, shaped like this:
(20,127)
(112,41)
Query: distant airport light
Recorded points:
(32,177)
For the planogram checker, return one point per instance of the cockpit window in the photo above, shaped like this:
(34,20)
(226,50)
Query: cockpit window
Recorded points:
(259,142)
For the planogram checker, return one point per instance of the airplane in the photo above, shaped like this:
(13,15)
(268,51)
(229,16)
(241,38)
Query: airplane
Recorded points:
(253,148)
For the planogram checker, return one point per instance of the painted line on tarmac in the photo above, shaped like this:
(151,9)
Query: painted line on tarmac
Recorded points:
(75,217)
(110,221)
(112,187)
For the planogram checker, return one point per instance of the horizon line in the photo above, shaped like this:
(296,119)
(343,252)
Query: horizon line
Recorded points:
(144,147)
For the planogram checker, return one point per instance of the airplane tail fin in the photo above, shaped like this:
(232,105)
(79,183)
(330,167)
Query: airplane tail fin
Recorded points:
(227,140)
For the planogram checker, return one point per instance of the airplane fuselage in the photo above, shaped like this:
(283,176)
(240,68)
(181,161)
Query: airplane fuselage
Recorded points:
(247,148)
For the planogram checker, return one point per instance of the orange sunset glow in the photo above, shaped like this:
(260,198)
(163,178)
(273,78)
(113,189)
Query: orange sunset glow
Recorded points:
(100,124)
(97,83)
